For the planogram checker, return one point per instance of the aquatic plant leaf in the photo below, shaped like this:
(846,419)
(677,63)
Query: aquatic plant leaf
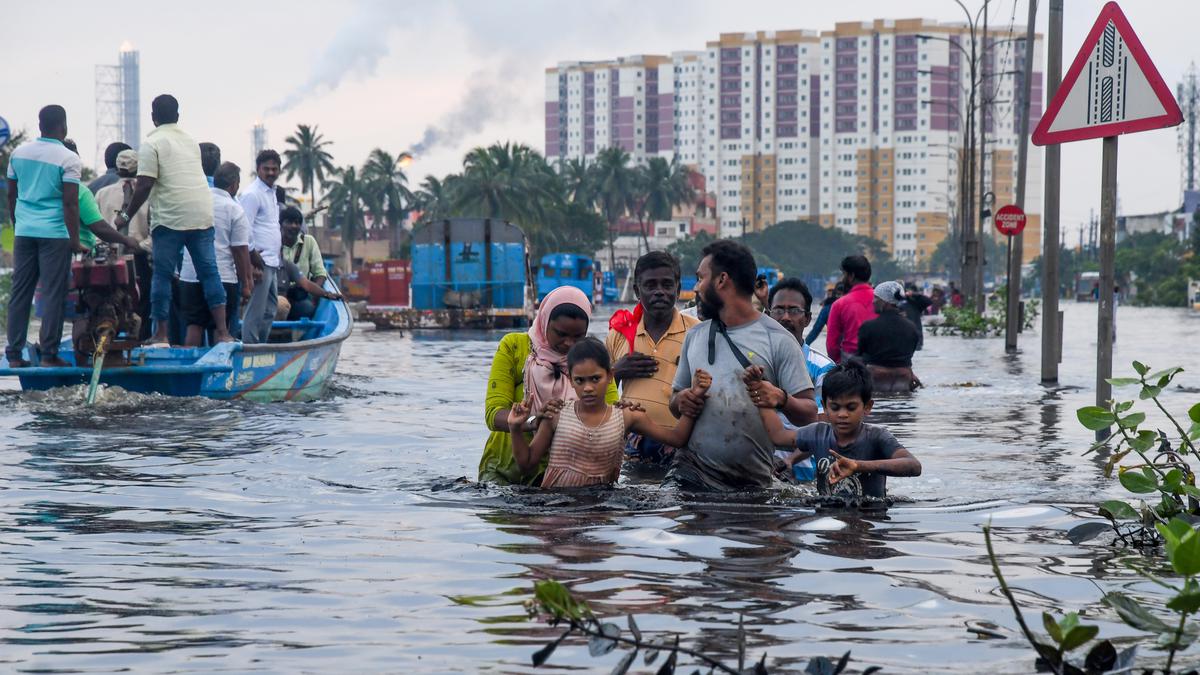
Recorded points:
(1087,531)
(1194,431)
(819,665)
(1132,420)
(541,655)
(652,651)
(557,600)
(1185,559)
(1133,614)
(1194,413)
(668,666)
(872,670)
(1164,377)
(760,668)
(1118,510)
(1173,532)
(1149,392)
(1123,381)
(1101,658)
(633,628)
(1188,599)
(1125,659)
(1051,626)
(1094,417)
(1078,636)
(623,665)
(1138,482)
(1141,368)
(1144,440)
(841,664)
(606,641)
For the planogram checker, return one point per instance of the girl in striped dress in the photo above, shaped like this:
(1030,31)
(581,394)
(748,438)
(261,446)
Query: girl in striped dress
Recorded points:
(586,438)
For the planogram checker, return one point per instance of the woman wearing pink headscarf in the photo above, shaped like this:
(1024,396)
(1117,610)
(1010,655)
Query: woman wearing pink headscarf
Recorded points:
(533,365)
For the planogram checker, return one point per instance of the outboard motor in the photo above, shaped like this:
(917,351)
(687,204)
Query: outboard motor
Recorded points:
(108,299)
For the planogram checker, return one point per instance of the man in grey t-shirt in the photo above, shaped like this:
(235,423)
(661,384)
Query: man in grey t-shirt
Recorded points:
(730,448)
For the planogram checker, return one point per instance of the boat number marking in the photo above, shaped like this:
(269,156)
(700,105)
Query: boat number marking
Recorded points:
(262,360)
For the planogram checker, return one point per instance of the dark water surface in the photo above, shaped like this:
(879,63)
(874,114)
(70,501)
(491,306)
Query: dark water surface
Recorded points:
(166,535)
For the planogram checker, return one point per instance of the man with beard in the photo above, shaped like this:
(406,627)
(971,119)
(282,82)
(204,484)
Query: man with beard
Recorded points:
(730,449)
(644,366)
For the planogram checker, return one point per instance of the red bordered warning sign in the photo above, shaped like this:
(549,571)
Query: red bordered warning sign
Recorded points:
(1010,220)
(1112,88)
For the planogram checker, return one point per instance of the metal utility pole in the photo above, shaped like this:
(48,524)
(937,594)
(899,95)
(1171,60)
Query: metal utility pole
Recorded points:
(1051,318)
(980,304)
(1016,243)
(970,242)
(1108,246)
(1188,93)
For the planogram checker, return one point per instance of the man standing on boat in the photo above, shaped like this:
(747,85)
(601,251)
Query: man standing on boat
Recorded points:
(645,345)
(43,201)
(262,211)
(730,448)
(181,216)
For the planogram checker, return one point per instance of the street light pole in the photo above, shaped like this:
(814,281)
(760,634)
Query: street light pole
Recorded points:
(983,119)
(1051,321)
(1016,243)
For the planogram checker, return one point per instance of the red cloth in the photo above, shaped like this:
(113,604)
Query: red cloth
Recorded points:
(848,313)
(626,323)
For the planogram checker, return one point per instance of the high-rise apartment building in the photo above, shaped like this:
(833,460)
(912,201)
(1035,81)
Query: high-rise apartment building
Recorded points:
(860,128)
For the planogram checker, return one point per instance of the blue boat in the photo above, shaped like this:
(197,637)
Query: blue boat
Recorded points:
(299,370)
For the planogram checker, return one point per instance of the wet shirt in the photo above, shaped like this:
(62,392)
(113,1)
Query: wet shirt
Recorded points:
(889,341)
(873,443)
(40,169)
(847,314)
(654,392)
(180,199)
(730,448)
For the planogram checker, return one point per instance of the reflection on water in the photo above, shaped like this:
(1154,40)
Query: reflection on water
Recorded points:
(160,534)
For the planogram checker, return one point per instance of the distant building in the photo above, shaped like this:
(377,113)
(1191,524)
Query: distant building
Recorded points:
(118,102)
(258,142)
(859,128)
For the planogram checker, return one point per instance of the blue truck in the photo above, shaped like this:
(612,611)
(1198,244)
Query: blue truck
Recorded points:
(566,269)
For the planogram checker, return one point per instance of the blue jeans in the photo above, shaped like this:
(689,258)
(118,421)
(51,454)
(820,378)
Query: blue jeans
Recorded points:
(168,253)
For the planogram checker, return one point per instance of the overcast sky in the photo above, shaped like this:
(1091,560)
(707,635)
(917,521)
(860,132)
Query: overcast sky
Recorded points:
(373,73)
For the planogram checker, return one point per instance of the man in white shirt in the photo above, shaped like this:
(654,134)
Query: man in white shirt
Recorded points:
(262,212)
(170,175)
(231,240)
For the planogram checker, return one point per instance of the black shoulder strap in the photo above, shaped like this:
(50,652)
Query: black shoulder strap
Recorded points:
(718,326)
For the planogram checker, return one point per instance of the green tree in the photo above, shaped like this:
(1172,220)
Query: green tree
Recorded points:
(435,199)
(615,183)
(386,192)
(347,206)
(579,181)
(308,157)
(509,181)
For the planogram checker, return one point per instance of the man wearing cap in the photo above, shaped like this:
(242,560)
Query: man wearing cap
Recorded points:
(115,198)
(888,342)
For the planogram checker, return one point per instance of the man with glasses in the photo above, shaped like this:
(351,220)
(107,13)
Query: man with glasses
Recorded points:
(791,305)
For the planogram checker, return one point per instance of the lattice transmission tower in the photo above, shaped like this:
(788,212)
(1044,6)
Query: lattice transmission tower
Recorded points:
(118,102)
(1189,100)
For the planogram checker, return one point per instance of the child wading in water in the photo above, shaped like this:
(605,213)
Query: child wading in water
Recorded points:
(586,439)
(860,454)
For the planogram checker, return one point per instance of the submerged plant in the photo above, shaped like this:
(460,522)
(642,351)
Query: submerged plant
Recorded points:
(554,601)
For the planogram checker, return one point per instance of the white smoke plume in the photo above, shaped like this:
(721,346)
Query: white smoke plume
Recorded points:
(485,101)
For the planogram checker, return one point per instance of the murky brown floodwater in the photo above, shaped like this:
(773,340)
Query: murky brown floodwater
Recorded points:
(197,536)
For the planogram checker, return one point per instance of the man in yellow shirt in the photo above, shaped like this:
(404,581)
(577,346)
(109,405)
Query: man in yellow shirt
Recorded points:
(646,372)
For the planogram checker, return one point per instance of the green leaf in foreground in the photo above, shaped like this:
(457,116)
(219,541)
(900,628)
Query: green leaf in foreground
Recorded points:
(1134,614)
(1138,482)
(1094,417)
(1118,510)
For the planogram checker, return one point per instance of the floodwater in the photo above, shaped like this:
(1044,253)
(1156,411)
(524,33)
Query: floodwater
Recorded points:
(157,535)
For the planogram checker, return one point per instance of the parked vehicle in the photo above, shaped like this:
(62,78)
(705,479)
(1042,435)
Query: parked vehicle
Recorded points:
(565,269)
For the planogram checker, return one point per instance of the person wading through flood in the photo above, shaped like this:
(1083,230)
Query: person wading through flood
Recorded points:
(532,366)
(645,366)
(851,310)
(887,343)
(729,448)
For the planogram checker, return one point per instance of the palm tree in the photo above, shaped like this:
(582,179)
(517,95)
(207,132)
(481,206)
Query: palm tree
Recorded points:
(435,198)
(577,177)
(347,206)
(615,185)
(385,190)
(307,156)
(512,182)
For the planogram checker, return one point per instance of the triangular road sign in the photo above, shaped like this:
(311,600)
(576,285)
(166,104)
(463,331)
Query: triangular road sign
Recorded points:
(1112,88)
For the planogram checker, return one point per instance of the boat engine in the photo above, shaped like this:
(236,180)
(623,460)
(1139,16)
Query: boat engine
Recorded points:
(108,298)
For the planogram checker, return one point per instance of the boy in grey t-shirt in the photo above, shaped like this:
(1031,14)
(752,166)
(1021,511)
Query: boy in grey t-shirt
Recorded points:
(859,455)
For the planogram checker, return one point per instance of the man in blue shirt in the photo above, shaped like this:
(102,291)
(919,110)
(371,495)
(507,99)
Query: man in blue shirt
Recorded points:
(43,201)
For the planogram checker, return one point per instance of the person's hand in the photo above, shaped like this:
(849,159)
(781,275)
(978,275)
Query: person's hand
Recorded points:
(551,410)
(701,381)
(635,365)
(247,291)
(517,414)
(256,275)
(752,374)
(330,295)
(120,222)
(626,404)
(690,403)
(77,247)
(763,393)
(844,467)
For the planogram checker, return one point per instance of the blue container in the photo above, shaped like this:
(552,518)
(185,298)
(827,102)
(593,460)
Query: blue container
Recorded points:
(565,269)
(468,263)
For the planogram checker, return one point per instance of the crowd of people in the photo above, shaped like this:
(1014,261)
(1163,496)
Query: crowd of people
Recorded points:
(203,247)
(731,396)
